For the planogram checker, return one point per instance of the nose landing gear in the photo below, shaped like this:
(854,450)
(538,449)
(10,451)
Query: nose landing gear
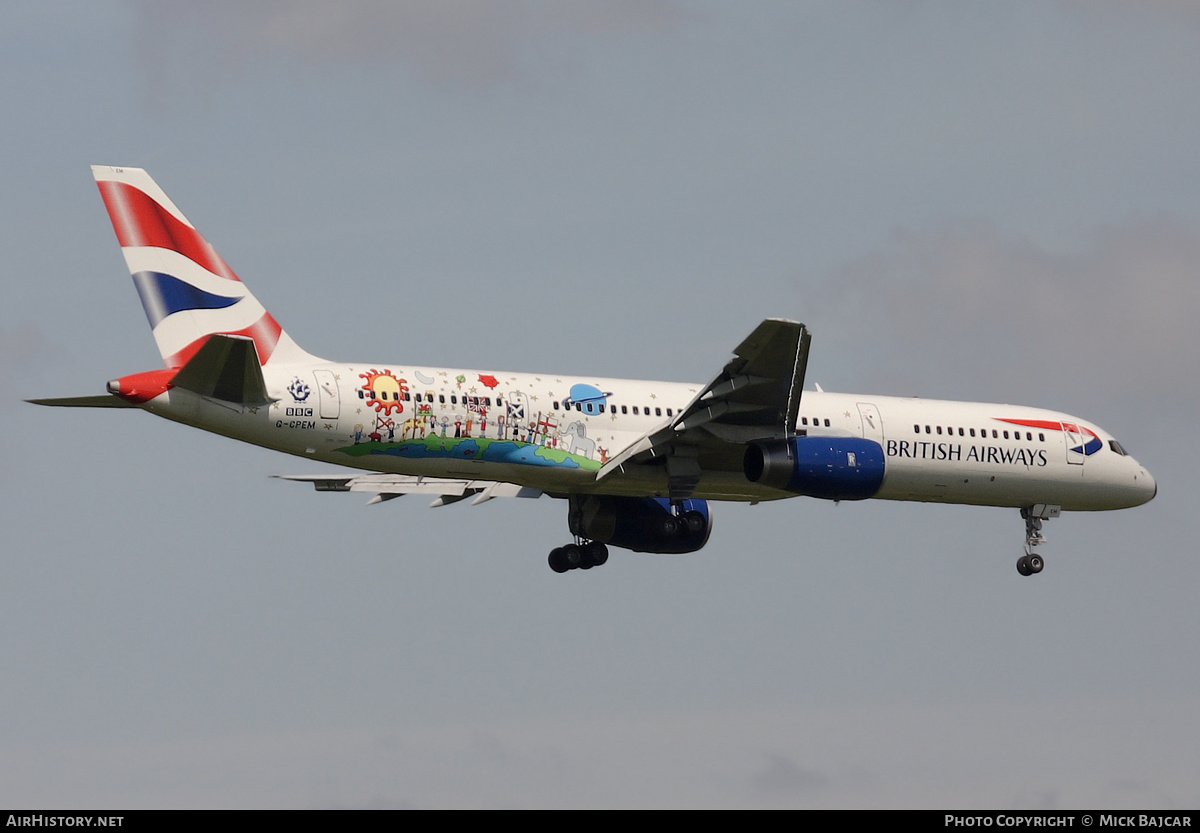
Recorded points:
(1030,564)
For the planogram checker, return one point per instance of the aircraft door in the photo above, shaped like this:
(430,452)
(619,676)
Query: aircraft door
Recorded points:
(327,393)
(1076,440)
(872,423)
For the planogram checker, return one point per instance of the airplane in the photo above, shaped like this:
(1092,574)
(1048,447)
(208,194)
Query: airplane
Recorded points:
(637,462)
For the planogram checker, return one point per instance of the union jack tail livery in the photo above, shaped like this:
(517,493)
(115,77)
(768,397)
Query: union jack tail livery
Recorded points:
(189,293)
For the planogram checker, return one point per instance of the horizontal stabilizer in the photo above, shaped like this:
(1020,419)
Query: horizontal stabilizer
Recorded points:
(102,401)
(225,368)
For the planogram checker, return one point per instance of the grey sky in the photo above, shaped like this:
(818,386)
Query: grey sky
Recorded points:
(962,200)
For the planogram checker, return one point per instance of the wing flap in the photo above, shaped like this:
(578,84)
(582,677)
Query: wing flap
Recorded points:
(386,486)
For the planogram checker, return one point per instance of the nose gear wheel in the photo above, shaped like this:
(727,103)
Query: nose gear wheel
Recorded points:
(1031,564)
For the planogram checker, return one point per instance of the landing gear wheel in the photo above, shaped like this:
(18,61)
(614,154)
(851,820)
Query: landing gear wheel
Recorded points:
(670,527)
(572,556)
(1035,562)
(1023,566)
(557,563)
(578,556)
(693,522)
(595,554)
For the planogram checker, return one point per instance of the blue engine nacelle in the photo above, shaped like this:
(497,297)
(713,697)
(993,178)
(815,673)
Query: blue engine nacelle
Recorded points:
(835,468)
(641,524)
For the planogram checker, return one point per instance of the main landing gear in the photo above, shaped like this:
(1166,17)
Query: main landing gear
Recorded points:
(1030,564)
(582,555)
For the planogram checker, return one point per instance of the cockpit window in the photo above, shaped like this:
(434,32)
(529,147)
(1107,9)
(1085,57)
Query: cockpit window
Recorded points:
(1116,446)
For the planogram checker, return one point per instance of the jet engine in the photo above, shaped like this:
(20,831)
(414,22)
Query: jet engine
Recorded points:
(641,524)
(834,468)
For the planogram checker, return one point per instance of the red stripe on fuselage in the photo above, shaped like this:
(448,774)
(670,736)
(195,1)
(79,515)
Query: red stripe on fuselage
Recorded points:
(1049,426)
(140,221)
(1044,424)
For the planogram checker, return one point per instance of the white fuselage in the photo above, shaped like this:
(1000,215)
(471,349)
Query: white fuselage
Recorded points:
(555,432)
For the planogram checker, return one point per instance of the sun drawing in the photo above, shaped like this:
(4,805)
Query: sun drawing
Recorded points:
(386,392)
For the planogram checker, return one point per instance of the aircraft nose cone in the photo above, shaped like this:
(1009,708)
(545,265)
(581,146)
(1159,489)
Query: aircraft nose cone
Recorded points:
(1146,485)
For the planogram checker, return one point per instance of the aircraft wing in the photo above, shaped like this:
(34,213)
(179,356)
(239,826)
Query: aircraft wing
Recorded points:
(388,486)
(755,397)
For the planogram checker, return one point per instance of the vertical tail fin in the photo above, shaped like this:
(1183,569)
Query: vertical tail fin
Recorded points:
(189,293)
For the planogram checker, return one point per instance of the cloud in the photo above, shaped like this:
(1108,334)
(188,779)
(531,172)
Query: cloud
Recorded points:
(463,42)
(966,302)
(1189,7)
(23,351)
(782,775)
